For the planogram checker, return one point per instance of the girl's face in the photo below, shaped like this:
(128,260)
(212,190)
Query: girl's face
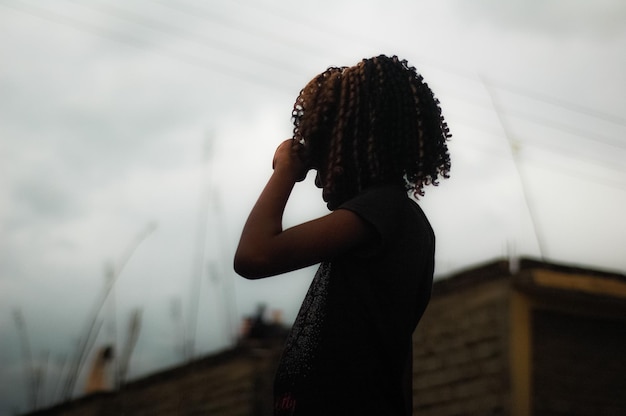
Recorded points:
(319,165)
(326,193)
(332,198)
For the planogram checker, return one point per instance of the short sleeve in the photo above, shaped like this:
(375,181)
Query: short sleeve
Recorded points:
(380,207)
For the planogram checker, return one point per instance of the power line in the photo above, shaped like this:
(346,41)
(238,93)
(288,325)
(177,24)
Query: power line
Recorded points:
(234,72)
(612,118)
(506,111)
(203,13)
(286,67)
(462,119)
(231,49)
(566,129)
(213,65)
(568,171)
(492,152)
(254,34)
(337,33)
(305,20)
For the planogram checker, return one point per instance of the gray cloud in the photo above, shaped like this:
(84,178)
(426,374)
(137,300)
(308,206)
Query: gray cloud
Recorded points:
(600,19)
(103,122)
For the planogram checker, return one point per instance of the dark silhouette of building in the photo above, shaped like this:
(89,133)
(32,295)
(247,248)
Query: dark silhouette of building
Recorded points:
(530,338)
(505,338)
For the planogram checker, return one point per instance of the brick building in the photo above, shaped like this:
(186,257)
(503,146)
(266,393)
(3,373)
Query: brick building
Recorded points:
(530,338)
(536,339)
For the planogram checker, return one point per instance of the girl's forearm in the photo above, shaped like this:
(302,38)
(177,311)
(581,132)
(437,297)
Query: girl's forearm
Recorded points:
(263,224)
(265,219)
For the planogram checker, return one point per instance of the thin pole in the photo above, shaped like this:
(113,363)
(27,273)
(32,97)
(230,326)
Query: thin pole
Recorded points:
(27,357)
(200,248)
(514,146)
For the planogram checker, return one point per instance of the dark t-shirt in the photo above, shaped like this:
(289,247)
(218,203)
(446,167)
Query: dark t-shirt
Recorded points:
(350,348)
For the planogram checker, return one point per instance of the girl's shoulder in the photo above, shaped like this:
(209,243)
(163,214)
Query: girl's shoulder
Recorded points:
(383,207)
(378,197)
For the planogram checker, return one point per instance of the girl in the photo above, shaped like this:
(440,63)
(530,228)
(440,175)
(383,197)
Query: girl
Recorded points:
(373,132)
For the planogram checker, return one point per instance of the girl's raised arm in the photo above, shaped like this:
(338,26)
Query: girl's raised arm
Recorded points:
(265,249)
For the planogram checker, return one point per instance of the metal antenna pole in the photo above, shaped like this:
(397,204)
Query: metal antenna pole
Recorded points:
(514,146)
(200,250)
(27,357)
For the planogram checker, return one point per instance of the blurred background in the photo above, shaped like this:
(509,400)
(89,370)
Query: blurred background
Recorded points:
(135,137)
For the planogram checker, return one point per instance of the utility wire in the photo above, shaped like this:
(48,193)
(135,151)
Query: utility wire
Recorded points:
(319,25)
(482,148)
(226,70)
(203,13)
(536,119)
(609,182)
(211,65)
(212,43)
(459,118)
(567,129)
(612,118)
(256,33)
(234,50)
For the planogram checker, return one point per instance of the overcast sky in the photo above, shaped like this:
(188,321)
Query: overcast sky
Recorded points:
(145,130)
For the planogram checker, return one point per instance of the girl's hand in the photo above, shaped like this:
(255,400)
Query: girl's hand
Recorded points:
(290,159)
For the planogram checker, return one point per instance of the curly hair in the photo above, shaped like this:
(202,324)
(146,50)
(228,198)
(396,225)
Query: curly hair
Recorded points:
(374,123)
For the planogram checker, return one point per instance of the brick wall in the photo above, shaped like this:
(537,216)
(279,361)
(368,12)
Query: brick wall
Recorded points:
(579,366)
(461,353)
(233,383)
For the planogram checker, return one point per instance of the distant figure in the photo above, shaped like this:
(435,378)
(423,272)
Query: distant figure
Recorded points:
(374,133)
(100,378)
(259,329)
